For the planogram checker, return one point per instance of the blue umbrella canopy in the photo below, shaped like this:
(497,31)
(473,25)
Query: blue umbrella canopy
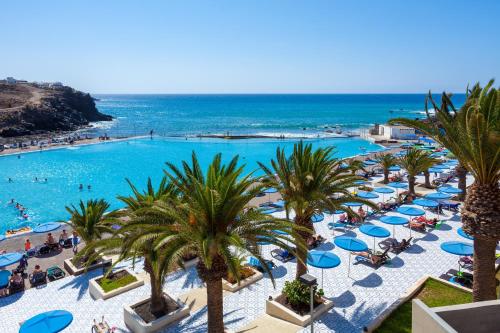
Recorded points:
(449,190)
(374,231)
(338,211)
(441,166)
(279,203)
(438,196)
(350,243)
(263,240)
(394,168)
(317,218)
(458,248)
(462,233)
(383,190)
(393,220)
(425,203)
(47,322)
(280,232)
(270,190)
(353,204)
(398,184)
(4,278)
(9,258)
(369,163)
(360,182)
(367,195)
(45,227)
(410,211)
(435,170)
(322,259)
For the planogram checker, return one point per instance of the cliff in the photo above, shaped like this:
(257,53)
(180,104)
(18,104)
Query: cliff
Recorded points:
(26,109)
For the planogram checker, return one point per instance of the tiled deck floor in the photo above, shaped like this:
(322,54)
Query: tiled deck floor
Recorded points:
(358,299)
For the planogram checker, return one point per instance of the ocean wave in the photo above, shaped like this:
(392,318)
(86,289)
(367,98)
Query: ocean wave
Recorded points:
(104,124)
(308,135)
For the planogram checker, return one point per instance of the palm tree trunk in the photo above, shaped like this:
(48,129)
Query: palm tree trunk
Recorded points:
(480,218)
(386,176)
(158,306)
(302,253)
(427,176)
(411,185)
(215,305)
(462,181)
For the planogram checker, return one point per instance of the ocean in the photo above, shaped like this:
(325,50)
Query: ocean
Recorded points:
(273,115)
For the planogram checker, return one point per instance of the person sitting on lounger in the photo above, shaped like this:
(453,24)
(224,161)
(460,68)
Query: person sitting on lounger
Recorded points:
(16,278)
(342,218)
(37,270)
(62,237)
(362,213)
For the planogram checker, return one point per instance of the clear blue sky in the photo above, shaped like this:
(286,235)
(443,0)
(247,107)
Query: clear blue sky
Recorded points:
(252,46)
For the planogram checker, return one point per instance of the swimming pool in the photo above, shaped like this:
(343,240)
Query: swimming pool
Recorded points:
(105,167)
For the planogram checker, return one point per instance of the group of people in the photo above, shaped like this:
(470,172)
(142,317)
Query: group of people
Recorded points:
(349,219)
(36,180)
(52,243)
(80,187)
(20,208)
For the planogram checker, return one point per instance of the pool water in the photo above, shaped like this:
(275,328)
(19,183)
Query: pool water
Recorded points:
(105,166)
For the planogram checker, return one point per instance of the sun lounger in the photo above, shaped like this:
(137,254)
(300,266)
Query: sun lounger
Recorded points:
(374,259)
(16,287)
(466,263)
(400,247)
(55,273)
(417,225)
(4,279)
(38,279)
(282,255)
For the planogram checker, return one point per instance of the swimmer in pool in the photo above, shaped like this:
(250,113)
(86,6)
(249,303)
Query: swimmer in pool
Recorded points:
(80,187)
(10,180)
(89,187)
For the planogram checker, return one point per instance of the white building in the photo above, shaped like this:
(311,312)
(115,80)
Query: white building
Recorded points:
(10,80)
(396,132)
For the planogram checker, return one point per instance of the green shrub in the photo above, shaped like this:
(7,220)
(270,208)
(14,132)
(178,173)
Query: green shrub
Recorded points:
(298,294)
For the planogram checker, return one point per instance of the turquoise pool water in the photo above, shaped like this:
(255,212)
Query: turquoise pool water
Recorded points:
(105,167)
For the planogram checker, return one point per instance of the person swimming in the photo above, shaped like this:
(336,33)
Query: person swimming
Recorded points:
(80,187)
(89,187)
(10,180)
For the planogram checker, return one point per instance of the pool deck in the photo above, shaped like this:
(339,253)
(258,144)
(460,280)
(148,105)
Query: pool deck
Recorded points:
(358,298)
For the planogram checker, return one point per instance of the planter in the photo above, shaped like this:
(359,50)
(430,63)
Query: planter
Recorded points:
(276,309)
(73,270)
(138,325)
(97,292)
(226,285)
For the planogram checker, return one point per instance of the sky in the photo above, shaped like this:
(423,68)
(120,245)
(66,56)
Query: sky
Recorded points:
(252,46)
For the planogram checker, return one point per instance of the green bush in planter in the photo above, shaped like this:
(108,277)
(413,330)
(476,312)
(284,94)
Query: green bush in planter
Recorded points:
(298,294)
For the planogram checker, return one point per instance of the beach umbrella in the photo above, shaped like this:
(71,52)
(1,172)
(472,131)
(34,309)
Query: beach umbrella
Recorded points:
(317,218)
(360,182)
(394,221)
(383,191)
(270,190)
(458,248)
(397,186)
(462,233)
(437,196)
(435,170)
(2,237)
(322,259)
(440,166)
(410,211)
(46,227)
(449,190)
(269,211)
(337,212)
(9,258)
(353,204)
(47,322)
(394,168)
(368,163)
(367,195)
(350,244)
(279,204)
(426,203)
(374,231)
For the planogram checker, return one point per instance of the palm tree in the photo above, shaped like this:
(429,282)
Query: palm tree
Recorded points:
(386,161)
(415,161)
(310,182)
(139,224)
(90,220)
(462,180)
(213,220)
(472,135)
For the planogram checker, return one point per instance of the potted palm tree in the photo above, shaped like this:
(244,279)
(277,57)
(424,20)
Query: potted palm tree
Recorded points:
(91,222)
(386,161)
(415,161)
(472,134)
(213,220)
(311,181)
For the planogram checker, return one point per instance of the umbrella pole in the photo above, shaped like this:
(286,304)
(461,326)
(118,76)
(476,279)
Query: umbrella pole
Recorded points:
(322,278)
(349,267)
(373,245)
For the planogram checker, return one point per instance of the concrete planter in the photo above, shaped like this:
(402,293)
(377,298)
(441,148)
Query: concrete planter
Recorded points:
(226,285)
(73,270)
(275,309)
(97,292)
(137,325)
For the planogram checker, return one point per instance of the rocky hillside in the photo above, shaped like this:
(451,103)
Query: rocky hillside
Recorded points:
(26,109)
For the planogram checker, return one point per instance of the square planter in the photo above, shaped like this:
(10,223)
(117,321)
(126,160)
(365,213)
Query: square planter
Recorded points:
(275,309)
(73,270)
(97,292)
(226,285)
(137,325)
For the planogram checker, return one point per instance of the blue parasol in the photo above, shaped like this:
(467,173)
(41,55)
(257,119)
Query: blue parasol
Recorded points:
(462,233)
(317,218)
(46,227)
(438,196)
(360,182)
(353,204)
(441,166)
(264,240)
(9,258)
(384,191)
(369,163)
(435,170)
(279,203)
(458,248)
(350,244)
(270,190)
(398,184)
(449,190)
(410,211)
(394,168)
(374,231)
(269,211)
(367,195)
(425,203)
(394,221)
(47,322)
(322,259)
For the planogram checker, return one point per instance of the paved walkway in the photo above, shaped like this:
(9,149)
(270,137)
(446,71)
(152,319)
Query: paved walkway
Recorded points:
(358,299)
